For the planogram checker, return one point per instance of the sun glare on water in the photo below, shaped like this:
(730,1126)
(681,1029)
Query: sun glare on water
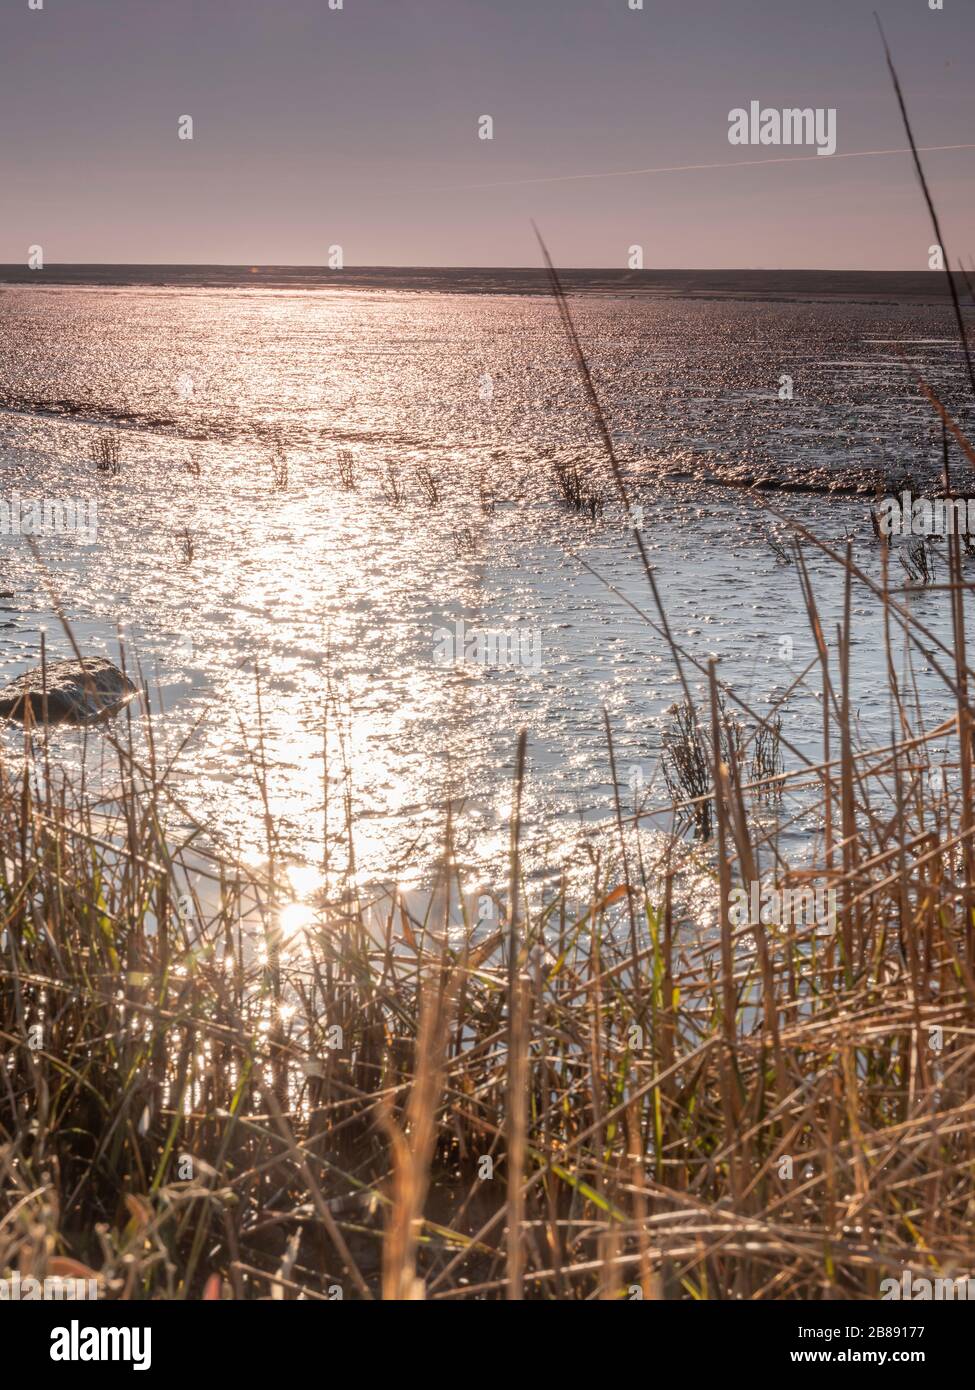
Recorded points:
(295,917)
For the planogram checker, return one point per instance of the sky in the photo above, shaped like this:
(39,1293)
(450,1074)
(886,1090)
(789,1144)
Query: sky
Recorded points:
(359,127)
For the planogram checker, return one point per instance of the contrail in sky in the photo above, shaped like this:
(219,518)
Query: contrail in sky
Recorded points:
(733,164)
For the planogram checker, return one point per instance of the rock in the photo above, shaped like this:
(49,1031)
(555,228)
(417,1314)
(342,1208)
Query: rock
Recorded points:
(78,692)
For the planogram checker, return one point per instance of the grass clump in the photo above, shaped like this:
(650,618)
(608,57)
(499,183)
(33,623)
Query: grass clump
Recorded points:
(576,490)
(346,469)
(105,452)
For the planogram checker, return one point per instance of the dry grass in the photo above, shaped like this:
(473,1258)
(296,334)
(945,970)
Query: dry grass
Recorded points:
(576,489)
(625,1095)
(346,469)
(391,486)
(184,545)
(105,452)
(918,562)
(428,487)
(661,1106)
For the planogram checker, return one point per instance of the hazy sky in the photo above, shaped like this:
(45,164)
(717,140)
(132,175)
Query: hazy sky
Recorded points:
(359,127)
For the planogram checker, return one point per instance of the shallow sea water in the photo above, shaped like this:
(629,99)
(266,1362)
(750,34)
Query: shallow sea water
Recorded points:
(329,601)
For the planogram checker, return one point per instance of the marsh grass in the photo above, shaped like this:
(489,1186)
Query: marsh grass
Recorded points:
(608,1090)
(105,452)
(280,472)
(184,545)
(611,1093)
(688,762)
(688,756)
(191,1103)
(485,493)
(391,486)
(918,562)
(577,491)
(778,549)
(428,487)
(346,470)
(465,540)
(767,764)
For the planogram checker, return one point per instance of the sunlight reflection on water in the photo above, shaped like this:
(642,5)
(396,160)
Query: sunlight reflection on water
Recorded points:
(290,661)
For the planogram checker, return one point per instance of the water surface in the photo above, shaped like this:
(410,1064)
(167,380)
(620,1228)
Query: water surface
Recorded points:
(322,605)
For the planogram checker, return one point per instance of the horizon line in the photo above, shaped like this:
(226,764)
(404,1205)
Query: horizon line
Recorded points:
(257,268)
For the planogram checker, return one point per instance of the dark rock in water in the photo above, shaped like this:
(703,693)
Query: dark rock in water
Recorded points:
(78,692)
